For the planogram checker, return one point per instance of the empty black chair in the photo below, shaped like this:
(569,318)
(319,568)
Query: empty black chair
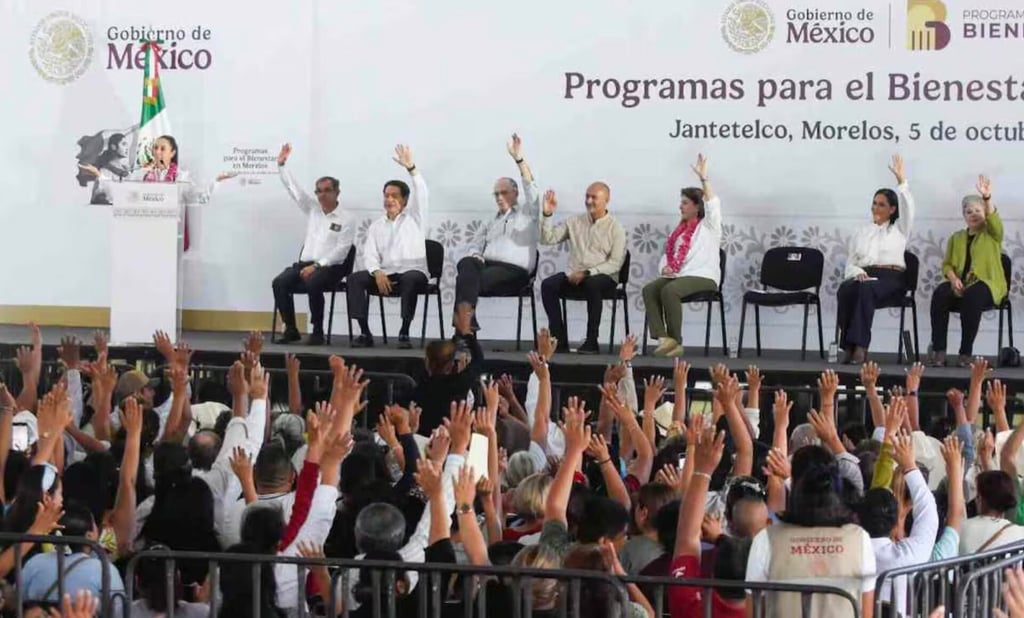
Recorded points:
(524,292)
(339,286)
(618,293)
(435,268)
(1004,306)
(908,300)
(794,271)
(709,297)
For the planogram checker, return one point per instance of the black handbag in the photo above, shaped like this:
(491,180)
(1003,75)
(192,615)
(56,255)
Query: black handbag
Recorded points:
(1009,357)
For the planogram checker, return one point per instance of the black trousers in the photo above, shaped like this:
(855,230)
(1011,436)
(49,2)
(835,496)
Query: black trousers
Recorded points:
(592,289)
(976,299)
(408,286)
(476,277)
(859,299)
(289,282)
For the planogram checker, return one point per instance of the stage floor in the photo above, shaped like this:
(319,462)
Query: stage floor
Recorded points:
(781,367)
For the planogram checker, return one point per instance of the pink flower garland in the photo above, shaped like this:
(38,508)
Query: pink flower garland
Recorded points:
(676,258)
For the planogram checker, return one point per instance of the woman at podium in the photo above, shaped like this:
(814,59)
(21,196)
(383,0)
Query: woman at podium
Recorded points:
(164,168)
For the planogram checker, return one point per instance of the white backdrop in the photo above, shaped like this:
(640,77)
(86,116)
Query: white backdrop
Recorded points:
(345,81)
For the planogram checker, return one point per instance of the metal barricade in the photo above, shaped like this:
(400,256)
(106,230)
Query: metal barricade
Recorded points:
(940,582)
(980,589)
(757,593)
(108,598)
(439,586)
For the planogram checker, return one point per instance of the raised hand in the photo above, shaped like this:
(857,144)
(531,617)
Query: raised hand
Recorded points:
(546,344)
(754,379)
(577,433)
(550,203)
(131,418)
(979,369)
(515,148)
(415,412)
(895,415)
(491,395)
(984,186)
(613,401)
(719,373)
(914,373)
(995,395)
(237,384)
(403,157)
(179,381)
(986,449)
(241,465)
(84,605)
(708,452)
(540,367)
(680,374)
(955,397)
(670,476)
(465,486)
(163,344)
(781,408)
(259,383)
(439,445)
(869,375)
(1013,594)
(485,422)
(897,169)
(952,453)
(654,390)
(828,384)
(505,387)
(700,167)
(99,339)
(70,352)
(253,343)
(386,431)
(826,430)
(292,363)
(777,464)
(597,449)
(428,477)
(460,426)
(400,417)
(627,351)
(282,157)
(903,451)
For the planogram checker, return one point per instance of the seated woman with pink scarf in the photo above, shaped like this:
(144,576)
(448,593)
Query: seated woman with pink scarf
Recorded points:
(689,264)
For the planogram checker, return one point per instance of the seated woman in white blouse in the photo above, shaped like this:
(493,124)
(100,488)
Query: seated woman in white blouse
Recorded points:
(874,270)
(164,168)
(689,264)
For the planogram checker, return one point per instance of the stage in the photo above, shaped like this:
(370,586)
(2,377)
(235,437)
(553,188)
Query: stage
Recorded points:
(782,368)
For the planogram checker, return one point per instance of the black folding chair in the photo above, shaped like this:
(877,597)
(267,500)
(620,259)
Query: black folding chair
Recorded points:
(615,295)
(435,268)
(339,286)
(709,297)
(524,292)
(908,300)
(793,271)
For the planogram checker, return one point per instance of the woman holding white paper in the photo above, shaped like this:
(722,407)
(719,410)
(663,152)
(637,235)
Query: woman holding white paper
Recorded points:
(875,268)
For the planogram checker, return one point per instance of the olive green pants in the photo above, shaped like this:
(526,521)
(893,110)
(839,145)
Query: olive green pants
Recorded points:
(663,300)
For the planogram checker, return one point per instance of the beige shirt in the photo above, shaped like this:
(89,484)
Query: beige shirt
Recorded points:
(598,246)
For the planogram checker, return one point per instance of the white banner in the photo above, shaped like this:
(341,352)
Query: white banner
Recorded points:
(797,105)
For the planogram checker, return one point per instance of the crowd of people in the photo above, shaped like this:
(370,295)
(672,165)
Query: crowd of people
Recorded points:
(646,484)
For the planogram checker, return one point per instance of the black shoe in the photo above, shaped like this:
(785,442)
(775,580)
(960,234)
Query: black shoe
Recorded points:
(562,348)
(589,347)
(363,341)
(290,335)
(315,339)
(404,343)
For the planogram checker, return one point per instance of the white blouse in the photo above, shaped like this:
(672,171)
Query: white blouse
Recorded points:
(876,245)
(702,259)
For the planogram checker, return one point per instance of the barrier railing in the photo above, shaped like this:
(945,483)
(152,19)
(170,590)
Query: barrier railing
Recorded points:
(980,589)
(941,582)
(112,602)
(658,588)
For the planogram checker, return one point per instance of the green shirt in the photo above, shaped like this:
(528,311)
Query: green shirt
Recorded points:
(986,256)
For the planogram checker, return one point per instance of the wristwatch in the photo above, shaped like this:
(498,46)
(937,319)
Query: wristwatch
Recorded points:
(465,509)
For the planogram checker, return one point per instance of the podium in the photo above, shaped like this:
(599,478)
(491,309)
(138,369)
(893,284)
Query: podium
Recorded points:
(146,234)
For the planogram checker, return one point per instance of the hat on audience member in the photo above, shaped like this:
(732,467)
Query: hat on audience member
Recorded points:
(205,414)
(928,454)
(803,435)
(132,382)
(28,419)
(663,417)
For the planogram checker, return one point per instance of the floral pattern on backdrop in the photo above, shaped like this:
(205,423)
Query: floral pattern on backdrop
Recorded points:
(745,244)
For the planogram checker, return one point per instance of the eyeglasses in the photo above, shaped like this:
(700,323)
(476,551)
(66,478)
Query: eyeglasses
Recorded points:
(319,191)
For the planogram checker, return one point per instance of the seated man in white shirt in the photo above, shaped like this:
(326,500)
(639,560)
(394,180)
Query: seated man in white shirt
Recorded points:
(329,234)
(502,260)
(395,254)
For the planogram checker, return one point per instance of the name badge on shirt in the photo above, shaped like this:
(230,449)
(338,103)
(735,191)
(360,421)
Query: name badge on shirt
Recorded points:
(335,227)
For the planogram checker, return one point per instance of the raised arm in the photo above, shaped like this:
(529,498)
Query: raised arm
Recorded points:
(708,454)
(995,397)
(123,518)
(1008,454)
(744,444)
(979,371)
(598,450)
(515,150)
(294,386)
(641,465)
(926,517)
(551,234)
(419,200)
(577,437)
(6,431)
(957,508)
(869,378)
(542,413)
(303,199)
(472,537)
(993,222)
(907,206)
(680,373)
(30,363)
(701,169)
(780,415)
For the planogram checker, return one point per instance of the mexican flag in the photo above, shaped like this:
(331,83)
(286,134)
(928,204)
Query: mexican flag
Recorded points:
(155,120)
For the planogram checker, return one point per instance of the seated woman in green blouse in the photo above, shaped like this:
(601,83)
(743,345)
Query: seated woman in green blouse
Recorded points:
(973,268)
